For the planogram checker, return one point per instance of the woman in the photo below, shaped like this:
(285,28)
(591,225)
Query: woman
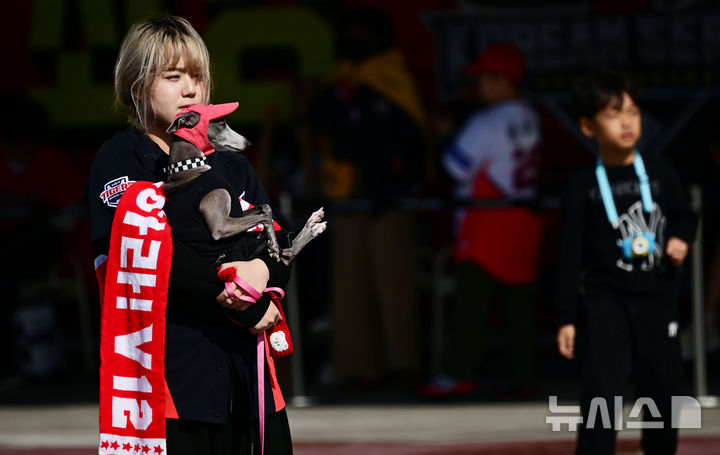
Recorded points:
(210,365)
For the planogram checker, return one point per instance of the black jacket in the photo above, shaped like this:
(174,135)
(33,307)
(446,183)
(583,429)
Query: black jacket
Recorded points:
(590,257)
(201,344)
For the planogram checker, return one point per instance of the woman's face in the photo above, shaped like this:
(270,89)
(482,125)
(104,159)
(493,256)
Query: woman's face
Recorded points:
(174,88)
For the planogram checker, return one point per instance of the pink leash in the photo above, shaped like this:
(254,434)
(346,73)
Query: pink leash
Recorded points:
(261,387)
(252,297)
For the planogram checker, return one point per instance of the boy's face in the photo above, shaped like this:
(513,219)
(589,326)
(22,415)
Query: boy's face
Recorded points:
(490,88)
(615,128)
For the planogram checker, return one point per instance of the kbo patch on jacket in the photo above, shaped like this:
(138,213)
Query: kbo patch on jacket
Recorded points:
(114,189)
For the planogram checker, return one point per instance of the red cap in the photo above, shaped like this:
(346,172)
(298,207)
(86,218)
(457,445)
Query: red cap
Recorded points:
(208,112)
(502,59)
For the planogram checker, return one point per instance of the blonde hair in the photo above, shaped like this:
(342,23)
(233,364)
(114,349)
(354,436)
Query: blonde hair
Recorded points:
(148,48)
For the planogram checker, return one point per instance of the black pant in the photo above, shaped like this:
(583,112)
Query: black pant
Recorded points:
(629,338)
(477,293)
(239,436)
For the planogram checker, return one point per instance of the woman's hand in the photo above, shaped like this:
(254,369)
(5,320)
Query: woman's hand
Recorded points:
(227,301)
(270,319)
(566,341)
(254,272)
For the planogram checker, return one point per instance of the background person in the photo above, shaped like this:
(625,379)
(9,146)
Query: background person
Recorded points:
(495,156)
(370,125)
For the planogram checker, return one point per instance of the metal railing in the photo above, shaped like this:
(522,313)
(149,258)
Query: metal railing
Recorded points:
(443,285)
(698,309)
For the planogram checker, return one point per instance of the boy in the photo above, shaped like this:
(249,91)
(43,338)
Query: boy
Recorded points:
(627,263)
(494,156)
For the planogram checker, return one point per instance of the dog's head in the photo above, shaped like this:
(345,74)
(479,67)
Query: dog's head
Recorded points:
(204,126)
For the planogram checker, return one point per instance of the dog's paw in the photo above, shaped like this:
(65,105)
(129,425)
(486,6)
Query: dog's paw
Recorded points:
(286,257)
(265,209)
(273,250)
(315,218)
(318,229)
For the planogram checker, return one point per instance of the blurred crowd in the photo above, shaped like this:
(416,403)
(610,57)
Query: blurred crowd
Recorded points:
(393,298)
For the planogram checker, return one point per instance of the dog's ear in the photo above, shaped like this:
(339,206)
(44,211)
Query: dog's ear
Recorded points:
(185,120)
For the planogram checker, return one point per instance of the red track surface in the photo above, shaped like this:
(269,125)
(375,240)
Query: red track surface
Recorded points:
(688,446)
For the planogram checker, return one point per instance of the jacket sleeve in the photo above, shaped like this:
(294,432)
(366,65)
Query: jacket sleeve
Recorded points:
(113,171)
(682,221)
(194,286)
(472,146)
(570,263)
(255,193)
(192,283)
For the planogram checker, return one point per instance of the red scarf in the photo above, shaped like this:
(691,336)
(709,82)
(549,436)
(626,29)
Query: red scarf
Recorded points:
(132,346)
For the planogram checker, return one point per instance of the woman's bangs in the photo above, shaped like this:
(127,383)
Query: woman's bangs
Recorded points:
(170,55)
(196,60)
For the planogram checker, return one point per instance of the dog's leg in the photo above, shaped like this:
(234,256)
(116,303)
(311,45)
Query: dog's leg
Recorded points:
(215,207)
(264,213)
(313,227)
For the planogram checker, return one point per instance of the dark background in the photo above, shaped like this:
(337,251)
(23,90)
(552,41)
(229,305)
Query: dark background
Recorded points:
(272,56)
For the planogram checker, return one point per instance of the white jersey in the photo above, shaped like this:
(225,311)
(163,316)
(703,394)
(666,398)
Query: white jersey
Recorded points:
(502,143)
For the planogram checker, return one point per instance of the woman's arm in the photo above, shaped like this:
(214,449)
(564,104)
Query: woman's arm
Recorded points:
(193,282)
(258,316)
(257,269)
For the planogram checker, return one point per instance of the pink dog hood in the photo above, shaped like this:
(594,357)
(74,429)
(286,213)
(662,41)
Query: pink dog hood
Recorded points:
(208,112)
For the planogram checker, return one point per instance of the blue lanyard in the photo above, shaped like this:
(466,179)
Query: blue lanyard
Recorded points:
(606,193)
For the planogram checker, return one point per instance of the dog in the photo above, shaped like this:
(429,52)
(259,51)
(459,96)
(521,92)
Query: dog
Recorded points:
(197,131)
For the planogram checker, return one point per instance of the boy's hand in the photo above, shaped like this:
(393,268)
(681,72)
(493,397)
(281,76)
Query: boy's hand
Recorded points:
(566,341)
(677,250)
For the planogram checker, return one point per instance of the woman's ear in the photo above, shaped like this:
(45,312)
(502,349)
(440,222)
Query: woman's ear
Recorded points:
(587,127)
(135,93)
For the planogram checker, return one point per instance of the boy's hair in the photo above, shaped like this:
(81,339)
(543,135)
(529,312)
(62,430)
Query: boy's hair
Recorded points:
(149,47)
(502,59)
(598,89)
